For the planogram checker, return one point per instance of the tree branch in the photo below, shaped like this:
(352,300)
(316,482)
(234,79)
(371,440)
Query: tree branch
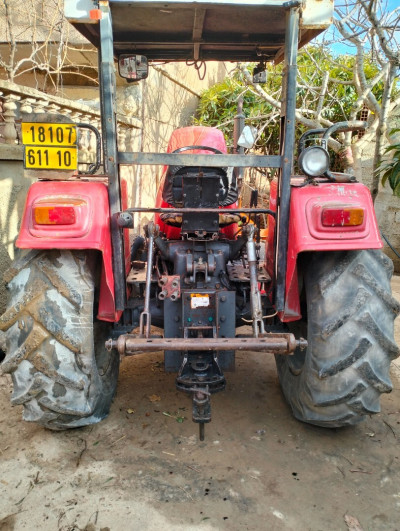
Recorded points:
(370,11)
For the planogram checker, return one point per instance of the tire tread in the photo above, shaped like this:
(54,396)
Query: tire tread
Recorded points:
(55,375)
(350,339)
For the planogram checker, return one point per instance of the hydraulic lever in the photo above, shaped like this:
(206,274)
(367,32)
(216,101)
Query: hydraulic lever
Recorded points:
(255,296)
(152,231)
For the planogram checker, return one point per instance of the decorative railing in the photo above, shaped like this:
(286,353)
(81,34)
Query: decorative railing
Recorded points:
(18,102)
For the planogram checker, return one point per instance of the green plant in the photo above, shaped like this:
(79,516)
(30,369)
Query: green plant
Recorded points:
(318,101)
(389,168)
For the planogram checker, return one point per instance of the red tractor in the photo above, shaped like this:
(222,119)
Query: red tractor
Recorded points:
(317,296)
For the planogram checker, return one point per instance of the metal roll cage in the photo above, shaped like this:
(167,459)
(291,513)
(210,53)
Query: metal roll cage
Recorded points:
(283,162)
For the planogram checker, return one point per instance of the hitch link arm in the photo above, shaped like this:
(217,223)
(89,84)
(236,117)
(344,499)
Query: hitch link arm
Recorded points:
(152,232)
(255,297)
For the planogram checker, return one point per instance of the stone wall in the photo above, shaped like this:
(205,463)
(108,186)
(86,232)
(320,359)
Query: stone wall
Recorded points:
(387,206)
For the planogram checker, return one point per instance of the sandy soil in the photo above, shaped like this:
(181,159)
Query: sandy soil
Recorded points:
(258,469)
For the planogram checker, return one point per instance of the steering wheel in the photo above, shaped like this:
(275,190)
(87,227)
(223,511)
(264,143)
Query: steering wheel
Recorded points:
(190,148)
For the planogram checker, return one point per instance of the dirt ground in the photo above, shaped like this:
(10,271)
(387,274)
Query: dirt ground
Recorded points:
(143,468)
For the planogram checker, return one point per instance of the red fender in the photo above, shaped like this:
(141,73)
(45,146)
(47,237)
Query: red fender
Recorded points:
(89,228)
(307,233)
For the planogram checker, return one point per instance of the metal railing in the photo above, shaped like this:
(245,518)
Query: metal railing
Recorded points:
(17,103)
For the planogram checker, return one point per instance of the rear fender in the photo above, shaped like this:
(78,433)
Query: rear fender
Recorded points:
(306,232)
(90,229)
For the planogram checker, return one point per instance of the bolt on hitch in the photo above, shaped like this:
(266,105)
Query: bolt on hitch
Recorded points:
(201,410)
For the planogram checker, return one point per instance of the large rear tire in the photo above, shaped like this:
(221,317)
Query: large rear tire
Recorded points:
(62,374)
(348,323)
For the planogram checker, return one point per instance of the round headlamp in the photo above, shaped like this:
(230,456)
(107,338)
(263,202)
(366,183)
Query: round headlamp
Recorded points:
(314,161)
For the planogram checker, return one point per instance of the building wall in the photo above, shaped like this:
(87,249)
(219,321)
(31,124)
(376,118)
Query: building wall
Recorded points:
(387,210)
(167,100)
(386,204)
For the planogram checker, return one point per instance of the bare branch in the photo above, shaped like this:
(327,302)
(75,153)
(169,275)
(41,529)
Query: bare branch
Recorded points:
(276,104)
(42,24)
(383,117)
(322,95)
(370,11)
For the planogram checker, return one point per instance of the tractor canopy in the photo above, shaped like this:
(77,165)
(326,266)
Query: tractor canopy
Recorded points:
(223,30)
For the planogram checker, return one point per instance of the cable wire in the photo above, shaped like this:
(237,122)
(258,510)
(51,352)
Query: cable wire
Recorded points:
(390,245)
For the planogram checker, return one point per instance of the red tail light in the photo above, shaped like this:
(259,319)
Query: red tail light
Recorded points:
(342,217)
(54,215)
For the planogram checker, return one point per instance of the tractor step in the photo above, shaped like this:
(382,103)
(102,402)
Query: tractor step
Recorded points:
(237,272)
(138,272)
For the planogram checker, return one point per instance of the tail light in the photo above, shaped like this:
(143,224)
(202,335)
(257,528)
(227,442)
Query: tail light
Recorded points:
(54,215)
(57,210)
(342,217)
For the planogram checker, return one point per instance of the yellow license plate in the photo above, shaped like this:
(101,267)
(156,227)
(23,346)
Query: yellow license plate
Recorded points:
(51,158)
(48,134)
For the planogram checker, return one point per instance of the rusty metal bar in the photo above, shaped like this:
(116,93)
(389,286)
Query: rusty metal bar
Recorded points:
(182,210)
(288,118)
(109,131)
(201,160)
(129,345)
(124,219)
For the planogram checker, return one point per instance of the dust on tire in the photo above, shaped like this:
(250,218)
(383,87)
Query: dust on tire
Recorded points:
(55,353)
(350,333)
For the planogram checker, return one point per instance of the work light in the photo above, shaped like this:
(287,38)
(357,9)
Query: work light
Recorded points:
(314,161)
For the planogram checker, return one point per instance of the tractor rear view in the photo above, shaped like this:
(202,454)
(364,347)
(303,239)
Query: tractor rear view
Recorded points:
(316,293)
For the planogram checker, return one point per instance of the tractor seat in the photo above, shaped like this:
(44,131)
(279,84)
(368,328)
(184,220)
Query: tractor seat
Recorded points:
(208,181)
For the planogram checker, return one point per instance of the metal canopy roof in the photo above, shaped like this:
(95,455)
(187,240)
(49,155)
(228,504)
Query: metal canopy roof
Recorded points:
(182,31)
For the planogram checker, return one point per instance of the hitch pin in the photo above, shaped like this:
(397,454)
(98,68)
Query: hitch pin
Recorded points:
(201,431)
(201,407)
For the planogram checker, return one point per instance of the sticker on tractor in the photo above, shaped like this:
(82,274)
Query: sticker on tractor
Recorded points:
(49,146)
(199,299)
